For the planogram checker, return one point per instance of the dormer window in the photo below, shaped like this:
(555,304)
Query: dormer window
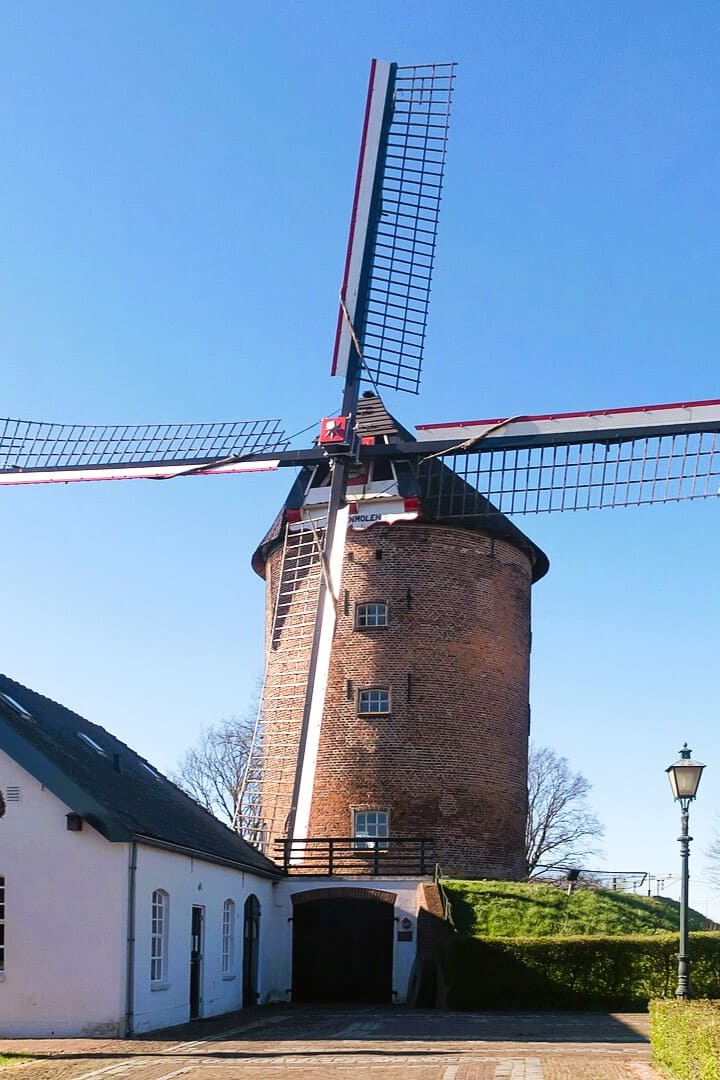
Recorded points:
(149,769)
(15,706)
(371,616)
(91,742)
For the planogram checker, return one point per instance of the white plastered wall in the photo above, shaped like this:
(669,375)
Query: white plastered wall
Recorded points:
(65,918)
(66,925)
(193,882)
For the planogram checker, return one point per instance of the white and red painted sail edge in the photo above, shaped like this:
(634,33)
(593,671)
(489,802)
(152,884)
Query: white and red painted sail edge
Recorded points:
(637,418)
(380,77)
(318,689)
(156,471)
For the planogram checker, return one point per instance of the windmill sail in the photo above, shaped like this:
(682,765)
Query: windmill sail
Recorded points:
(578,461)
(386,287)
(38,453)
(327,617)
(265,796)
(380,336)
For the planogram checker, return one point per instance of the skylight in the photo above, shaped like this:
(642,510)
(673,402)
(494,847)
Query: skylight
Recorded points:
(91,742)
(15,706)
(149,768)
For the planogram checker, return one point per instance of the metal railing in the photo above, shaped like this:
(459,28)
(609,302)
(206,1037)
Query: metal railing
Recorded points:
(353,856)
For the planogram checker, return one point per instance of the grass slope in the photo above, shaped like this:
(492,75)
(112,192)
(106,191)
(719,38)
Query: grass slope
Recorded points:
(526,909)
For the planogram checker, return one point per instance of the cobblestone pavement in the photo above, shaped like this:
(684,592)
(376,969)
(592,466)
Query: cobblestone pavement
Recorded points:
(350,1044)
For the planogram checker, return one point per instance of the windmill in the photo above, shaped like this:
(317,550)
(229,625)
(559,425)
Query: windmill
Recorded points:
(350,480)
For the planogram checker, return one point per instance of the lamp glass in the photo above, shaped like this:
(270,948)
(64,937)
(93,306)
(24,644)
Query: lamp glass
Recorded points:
(684,777)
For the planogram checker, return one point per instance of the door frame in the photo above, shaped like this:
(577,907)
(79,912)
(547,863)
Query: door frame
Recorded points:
(342,893)
(252,912)
(196,960)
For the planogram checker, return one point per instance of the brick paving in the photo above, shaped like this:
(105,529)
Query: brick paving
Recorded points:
(349,1044)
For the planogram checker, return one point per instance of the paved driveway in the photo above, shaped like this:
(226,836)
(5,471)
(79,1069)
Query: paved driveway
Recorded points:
(397,1044)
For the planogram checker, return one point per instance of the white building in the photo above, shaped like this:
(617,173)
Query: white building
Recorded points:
(125,907)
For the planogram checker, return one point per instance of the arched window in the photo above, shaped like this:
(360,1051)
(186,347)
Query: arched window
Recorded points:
(159,937)
(228,938)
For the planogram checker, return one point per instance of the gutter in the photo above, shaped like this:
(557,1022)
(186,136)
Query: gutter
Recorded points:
(182,849)
(130,960)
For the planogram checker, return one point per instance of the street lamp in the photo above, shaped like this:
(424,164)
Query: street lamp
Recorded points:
(684,777)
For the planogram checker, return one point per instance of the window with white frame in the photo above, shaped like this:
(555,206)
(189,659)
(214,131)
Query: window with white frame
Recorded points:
(2,925)
(159,937)
(374,702)
(371,829)
(371,616)
(228,938)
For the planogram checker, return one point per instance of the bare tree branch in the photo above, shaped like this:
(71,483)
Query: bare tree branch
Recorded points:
(561,827)
(211,770)
(713,856)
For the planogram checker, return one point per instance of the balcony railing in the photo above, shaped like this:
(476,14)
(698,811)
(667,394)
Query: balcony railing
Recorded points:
(358,856)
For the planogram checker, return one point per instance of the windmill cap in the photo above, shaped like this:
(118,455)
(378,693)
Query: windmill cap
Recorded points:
(373,419)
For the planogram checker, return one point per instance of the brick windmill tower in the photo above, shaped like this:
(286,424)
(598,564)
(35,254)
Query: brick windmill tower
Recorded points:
(424,728)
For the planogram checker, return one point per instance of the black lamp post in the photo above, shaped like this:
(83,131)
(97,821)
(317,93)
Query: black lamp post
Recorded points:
(684,777)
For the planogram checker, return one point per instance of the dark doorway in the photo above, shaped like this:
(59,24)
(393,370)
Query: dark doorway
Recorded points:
(196,946)
(343,950)
(251,951)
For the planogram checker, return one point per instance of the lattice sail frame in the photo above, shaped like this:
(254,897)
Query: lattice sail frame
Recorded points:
(588,476)
(264,796)
(33,453)
(578,461)
(391,249)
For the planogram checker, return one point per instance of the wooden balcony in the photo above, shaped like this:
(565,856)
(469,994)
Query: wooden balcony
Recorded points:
(355,856)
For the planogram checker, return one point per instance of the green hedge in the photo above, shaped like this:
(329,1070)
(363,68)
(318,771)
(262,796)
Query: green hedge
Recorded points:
(685,1038)
(575,972)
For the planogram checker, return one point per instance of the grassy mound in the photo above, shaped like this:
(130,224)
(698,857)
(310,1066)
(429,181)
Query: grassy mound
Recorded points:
(525,909)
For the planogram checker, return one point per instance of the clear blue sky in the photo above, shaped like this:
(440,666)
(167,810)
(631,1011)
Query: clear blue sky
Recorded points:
(175,189)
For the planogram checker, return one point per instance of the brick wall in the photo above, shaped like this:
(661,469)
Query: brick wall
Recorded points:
(450,759)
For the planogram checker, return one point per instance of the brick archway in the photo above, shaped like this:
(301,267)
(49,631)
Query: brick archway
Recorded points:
(343,892)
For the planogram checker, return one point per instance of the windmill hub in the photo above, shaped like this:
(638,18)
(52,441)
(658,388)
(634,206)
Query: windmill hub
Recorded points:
(337,436)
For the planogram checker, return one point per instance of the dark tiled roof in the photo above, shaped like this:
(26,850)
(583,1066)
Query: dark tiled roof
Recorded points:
(470,509)
(117,792)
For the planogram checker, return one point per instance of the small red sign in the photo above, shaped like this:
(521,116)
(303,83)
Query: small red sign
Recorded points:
(333,429)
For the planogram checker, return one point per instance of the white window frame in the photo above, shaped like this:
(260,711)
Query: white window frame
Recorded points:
(369,826)
(372,616)
(228,939)
(159,936)
(373,701)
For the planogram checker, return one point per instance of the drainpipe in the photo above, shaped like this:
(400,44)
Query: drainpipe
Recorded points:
(130,965)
